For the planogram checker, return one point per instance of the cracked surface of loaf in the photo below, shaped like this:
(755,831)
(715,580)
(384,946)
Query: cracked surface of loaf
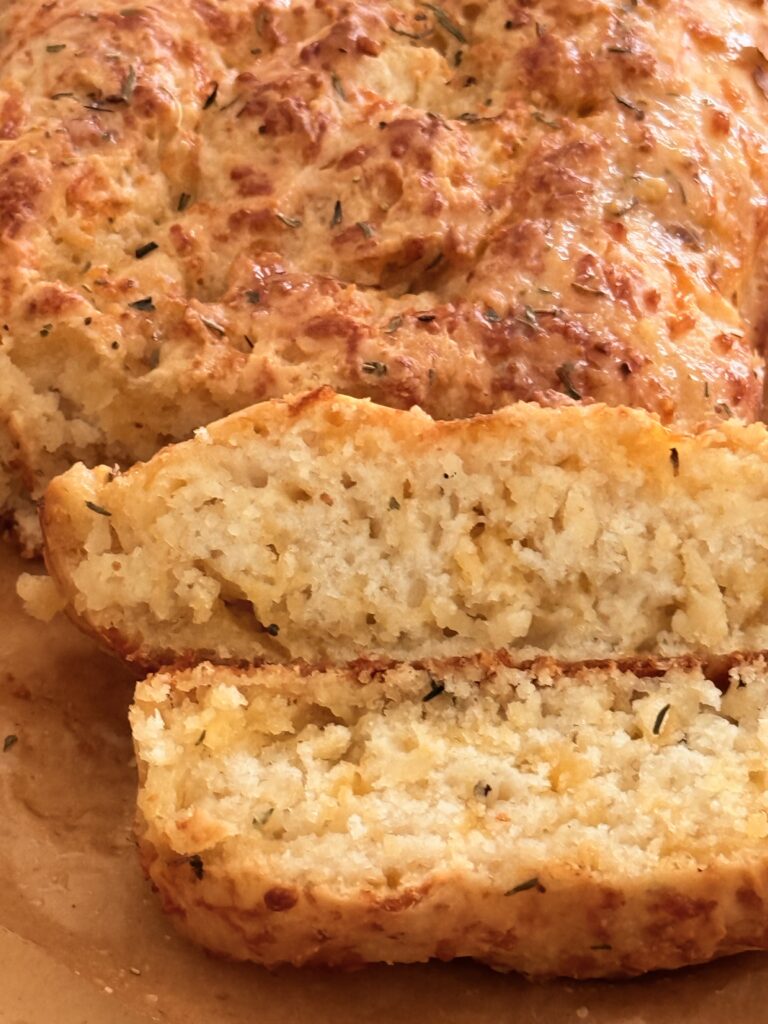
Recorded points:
(329,528)
(576,822)
(204,205)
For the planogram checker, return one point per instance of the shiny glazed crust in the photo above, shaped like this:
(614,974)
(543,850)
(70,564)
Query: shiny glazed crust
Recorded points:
(457,207)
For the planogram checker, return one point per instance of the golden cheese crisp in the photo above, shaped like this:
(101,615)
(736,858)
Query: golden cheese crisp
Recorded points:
(205,205)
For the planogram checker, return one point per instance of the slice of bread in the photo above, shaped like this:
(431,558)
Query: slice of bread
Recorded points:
(328,528)
(583,822)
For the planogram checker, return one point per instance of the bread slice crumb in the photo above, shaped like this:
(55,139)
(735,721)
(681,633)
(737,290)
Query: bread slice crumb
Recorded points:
(557,821)
(328,528)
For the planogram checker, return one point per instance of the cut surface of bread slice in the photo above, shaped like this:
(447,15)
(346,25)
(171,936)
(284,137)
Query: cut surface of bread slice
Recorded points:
(587,822)
(329,528)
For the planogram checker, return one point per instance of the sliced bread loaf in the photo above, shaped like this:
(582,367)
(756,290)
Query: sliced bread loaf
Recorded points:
(328,528)
(573,822)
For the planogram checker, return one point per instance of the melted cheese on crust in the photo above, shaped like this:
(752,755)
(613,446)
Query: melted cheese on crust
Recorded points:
(204,206)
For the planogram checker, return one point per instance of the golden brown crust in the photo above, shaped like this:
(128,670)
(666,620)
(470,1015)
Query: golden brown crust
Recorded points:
(457,211)
(566,924)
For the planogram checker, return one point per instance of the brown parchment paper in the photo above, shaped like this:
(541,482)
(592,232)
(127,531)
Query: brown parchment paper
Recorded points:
(82,939)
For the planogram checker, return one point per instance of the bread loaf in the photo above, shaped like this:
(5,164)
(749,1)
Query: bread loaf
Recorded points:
(203,205)
(554,821)
(328,528)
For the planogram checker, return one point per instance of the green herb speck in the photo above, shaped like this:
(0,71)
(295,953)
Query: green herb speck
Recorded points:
(375,368)
(660,719)
(531,883)
(290,222)
(210,99)
(445,22)
(97,508)
(564,375)
(145,250)
(436,687)
(196,863)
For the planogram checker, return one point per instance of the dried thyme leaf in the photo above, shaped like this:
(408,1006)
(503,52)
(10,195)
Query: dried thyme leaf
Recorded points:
(98,509)
(145,250)
(393,325)
(588,289)
(129,84)
(445,22)
(11,740)
(337,214)
(55,47)
(200,738)
(528,317)
(543,119)
(679,184)
(674,458)
(290,222)
(253,296)
(146,304)
(410,35)
(214,327)
(338,86)
(629,105)
(564,374)
(376,368)
(184,200)
(492,315)
(196,863)
(366,228)
(394,504)
(261,819)
(210,99)
(531,883)
(660,719)
(436,688)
